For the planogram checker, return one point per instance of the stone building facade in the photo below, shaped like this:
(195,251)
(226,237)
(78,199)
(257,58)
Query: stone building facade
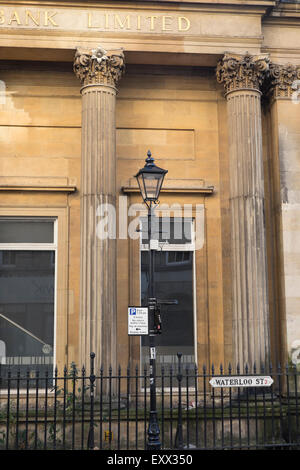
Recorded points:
(213,90)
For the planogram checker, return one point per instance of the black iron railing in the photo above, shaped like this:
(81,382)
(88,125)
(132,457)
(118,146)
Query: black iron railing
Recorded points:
(88,409)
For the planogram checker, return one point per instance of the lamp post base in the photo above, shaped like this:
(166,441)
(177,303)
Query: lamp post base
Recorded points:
(153,432)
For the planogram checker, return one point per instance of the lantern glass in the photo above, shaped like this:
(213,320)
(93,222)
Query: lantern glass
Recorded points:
(150,180)
(152,184)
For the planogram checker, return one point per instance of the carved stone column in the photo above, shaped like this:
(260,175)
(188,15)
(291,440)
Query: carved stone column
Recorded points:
(283,81)
(242,77)
(99,73)
(283,88)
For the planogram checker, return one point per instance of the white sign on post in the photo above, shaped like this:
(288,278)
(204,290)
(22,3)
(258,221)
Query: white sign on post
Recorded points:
(241,381)
(138,321)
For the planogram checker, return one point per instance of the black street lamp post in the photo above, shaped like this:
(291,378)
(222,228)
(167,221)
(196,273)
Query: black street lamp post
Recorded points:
(150,180)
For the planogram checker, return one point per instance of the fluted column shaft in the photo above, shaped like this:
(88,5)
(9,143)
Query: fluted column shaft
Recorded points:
(99,73)
(250,305)
(241,76)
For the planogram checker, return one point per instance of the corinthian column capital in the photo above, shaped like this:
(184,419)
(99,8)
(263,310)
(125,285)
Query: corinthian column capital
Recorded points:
(283,80)
(242,71)
(98,67)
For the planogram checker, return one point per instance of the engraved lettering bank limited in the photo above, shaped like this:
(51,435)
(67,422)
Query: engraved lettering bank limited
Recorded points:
(94,20)
(130,22)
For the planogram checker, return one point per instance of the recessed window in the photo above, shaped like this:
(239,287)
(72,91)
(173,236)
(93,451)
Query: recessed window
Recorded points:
(27,294)
(174,278)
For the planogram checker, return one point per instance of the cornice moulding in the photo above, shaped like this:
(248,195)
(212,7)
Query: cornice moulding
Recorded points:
(15,188)
(182,186)
(28,184)
(145,4)
(206,191)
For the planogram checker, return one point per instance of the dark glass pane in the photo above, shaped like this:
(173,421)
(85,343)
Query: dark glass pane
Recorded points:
(22,231)
(173,280)
(27,310)
(169,230)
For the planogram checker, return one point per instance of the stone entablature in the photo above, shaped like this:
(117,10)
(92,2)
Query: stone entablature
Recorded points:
(137,26)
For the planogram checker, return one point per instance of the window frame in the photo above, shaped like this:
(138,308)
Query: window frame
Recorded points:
(64,296)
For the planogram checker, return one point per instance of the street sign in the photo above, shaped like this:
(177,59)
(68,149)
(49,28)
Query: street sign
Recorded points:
(241,381)
(138,321)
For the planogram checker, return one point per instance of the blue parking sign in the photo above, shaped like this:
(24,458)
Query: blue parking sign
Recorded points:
(138,321)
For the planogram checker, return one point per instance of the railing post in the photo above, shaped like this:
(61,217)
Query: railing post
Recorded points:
(179,436)
(91,437)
